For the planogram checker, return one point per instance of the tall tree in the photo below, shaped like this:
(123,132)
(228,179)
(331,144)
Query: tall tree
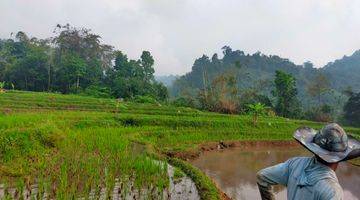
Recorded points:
(86,48)
(147,62)
(221,96)
(318,86)
(30,72)
(71,73)
(24,62)
(129,78)
(285,91)
(352,109)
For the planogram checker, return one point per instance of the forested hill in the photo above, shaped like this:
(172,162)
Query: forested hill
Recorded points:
(345,72)
(167,80)
(247,68)
(256,72)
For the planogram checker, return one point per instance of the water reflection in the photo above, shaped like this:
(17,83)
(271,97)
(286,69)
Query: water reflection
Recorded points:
(234,170)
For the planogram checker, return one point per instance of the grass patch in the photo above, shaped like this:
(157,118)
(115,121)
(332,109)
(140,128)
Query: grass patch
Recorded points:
(207,189)
(178,174)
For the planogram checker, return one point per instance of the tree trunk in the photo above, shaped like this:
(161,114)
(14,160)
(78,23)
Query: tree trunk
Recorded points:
(205,86)
(49,78)
(26,84)
(78,82)
(255,119)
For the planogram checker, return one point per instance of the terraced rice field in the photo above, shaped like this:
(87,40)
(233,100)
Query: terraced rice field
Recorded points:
(71,145)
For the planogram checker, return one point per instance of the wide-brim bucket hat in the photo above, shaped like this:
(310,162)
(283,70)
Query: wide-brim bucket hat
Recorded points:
(331,143)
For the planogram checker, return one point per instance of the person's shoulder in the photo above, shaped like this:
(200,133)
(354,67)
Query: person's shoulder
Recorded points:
(301,158)
(298,160)
(329,189)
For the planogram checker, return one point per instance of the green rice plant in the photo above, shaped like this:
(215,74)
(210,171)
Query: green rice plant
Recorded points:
(207,189)
(75,143)
(178,174)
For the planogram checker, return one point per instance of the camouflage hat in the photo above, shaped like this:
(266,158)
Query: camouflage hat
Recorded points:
(332,138)
(331,143)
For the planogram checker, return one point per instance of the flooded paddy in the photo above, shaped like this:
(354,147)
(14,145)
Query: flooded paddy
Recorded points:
(234,170)
(180,188)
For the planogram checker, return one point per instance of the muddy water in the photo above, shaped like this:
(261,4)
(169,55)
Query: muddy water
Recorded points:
(234,170)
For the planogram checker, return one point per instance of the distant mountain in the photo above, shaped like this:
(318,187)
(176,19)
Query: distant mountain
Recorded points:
(248,69)
(167,80)
(345,72)
(257,72)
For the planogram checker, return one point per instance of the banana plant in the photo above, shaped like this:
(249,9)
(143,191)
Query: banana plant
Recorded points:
(256,110)
(2,85)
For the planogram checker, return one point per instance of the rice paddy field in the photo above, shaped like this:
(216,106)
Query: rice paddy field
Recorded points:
(71,145)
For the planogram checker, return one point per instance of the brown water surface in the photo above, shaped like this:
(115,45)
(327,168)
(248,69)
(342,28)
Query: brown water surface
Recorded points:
(234,170)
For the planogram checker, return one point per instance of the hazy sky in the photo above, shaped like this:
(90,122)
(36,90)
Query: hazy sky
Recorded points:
(178,31)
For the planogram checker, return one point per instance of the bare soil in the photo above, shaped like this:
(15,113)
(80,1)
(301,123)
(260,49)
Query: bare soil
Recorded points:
(212,146)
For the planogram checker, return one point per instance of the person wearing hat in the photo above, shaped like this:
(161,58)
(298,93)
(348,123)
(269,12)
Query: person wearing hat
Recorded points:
(314,177)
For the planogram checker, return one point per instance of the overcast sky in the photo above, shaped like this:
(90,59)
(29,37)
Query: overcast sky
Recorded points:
(179,31)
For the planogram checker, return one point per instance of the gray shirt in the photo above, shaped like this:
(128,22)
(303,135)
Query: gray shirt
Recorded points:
(304,177)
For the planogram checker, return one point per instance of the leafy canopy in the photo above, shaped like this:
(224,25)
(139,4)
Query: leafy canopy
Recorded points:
(285,91)
(76,61)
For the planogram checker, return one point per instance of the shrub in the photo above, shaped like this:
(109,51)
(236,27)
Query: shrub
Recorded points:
(226,106)
(97,91)
(130,121)
(2,85)
(144,99)
(322,114)
(251,97)
(183,102)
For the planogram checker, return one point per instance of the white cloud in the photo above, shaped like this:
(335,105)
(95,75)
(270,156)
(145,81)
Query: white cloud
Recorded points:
(178,31)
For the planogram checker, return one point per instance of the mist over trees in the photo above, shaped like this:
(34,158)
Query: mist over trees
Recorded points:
(318,86)
(344,72)
(319,91)
(74,60)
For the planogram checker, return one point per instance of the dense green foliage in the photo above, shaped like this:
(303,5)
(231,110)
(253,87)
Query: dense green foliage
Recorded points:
(256,110)
(287,104)
(75,61)
(67,141)
(344,72)
(316,87)
(352,109)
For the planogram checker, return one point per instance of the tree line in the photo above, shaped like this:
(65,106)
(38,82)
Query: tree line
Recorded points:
(75,60)
(223,95)
(231,83)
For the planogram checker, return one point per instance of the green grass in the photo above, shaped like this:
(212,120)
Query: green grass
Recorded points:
(207,189)
(178,174)
(76,143)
